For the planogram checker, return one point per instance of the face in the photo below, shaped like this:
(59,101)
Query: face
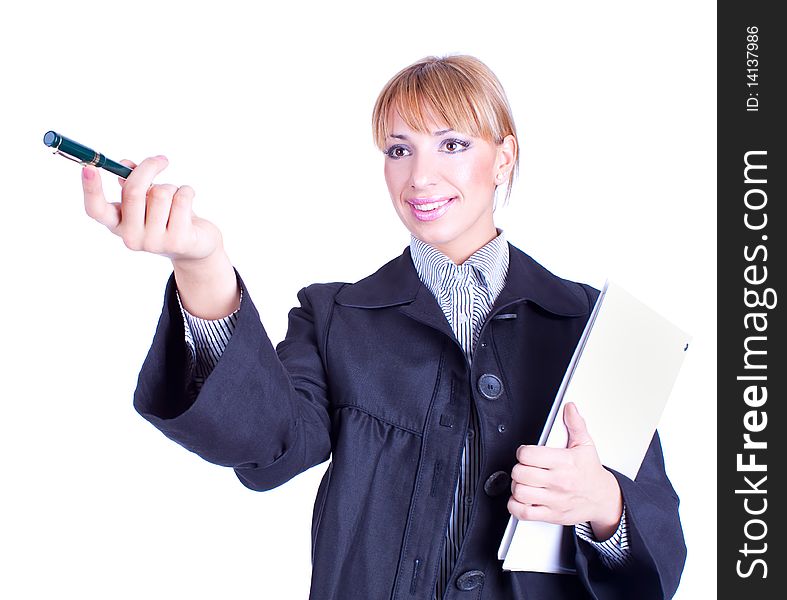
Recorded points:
(442,185)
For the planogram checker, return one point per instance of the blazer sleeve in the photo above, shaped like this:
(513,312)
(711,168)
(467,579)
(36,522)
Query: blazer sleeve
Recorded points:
(655,538)
(261,411)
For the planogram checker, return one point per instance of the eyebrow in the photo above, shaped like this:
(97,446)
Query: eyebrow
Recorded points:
(404,137)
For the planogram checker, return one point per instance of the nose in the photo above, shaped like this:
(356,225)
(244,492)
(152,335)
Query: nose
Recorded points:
(423,171)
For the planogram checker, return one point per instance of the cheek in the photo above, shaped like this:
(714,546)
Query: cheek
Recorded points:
(394,175)
(474,174)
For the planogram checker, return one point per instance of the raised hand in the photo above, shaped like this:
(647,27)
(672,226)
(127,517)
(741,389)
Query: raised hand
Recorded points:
(155,218)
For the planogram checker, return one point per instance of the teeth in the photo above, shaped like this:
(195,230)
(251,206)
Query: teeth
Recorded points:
(430,206)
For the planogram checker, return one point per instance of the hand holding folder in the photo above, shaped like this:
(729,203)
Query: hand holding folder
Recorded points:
(619,377)
(567,485)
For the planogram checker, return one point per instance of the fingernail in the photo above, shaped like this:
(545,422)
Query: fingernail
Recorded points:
(87,173)
(161,157)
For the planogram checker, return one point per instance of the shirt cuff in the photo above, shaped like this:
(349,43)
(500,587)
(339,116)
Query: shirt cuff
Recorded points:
(613,552)
(206,339)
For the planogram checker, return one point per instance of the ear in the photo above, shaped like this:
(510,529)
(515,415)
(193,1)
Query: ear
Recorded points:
(505,160)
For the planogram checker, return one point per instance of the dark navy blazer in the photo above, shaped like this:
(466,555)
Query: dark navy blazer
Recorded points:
(371,376)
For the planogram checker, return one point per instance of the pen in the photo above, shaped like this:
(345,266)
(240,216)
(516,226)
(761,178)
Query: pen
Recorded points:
(82,154)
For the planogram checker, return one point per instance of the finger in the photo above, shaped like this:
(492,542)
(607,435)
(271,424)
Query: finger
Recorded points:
(180,214)
(96,205)
(532,476)
(131,165)
(180,226)
(542,456)
(134,197)
(577,428)
(159,201)
(529,512)
(527,494)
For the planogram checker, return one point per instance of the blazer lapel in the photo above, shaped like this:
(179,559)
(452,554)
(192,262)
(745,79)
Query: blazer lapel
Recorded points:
(528,281)
(397,284)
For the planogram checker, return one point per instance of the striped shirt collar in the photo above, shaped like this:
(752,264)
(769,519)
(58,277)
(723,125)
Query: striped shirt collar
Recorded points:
(488,266)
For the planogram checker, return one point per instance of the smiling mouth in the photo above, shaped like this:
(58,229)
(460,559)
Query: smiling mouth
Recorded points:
(430,206)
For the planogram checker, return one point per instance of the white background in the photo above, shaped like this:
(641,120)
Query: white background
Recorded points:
(266,113)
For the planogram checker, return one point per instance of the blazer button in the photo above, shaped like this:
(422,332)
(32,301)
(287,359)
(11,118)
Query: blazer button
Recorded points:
(490,386)
(470,580)
(497,483)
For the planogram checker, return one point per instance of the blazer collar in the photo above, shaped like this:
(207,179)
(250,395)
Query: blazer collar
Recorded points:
(397,283)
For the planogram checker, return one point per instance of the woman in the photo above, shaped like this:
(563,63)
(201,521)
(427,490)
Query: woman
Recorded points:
(423,382)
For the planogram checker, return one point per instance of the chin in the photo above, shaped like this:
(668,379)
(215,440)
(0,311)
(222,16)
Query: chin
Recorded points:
(435,237)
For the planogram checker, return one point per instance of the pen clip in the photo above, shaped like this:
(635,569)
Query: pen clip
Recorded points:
(69,157)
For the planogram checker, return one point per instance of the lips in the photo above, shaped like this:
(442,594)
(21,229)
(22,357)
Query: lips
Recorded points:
(429,209)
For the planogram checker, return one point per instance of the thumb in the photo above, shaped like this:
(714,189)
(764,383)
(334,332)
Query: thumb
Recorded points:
(577,429)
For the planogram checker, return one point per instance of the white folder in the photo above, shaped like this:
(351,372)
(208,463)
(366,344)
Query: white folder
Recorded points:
(620,376)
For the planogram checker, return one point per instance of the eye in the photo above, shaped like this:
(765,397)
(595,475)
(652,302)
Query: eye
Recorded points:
(397,152)
(452,146)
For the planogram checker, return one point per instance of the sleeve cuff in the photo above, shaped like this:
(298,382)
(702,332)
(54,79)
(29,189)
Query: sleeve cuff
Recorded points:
(613,552)
(206,339)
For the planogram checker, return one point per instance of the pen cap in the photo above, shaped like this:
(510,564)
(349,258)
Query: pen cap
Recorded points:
(73,149)
(52,139)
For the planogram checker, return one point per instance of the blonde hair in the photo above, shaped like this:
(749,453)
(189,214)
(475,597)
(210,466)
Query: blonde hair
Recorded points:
(459,90)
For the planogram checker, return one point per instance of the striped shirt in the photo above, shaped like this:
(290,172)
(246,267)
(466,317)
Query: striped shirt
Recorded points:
(466,294)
